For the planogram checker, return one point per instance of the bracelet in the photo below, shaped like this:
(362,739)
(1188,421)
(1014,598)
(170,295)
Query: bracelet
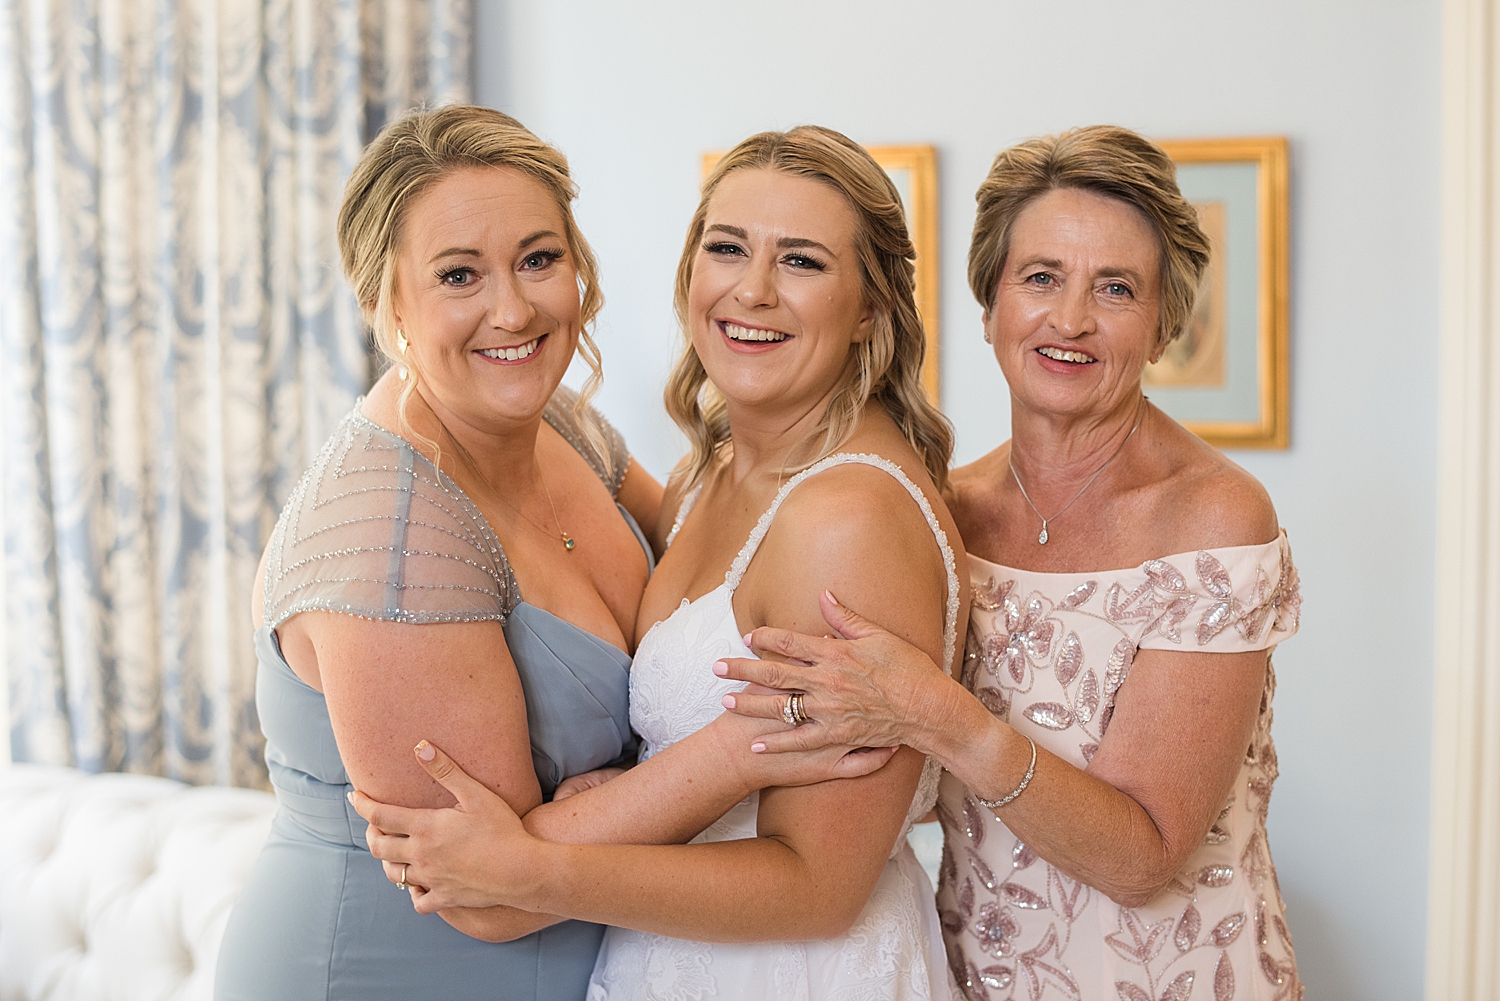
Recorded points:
(995,804)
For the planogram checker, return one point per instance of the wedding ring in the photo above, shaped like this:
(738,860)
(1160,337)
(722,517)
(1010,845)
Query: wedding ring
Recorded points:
(799,709)
(787,715)
(403,884)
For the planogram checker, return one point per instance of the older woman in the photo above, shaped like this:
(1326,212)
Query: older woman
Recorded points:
(816,459)
(461,562)
(1109,744)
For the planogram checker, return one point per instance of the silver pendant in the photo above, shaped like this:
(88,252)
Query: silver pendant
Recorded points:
(1041,539)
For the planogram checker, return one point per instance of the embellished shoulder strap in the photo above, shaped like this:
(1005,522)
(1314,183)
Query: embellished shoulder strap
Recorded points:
(757,535)
(562,414)
(688,500)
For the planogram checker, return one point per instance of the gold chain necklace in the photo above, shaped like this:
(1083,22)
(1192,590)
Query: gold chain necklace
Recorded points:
(1041,538)
(567,540)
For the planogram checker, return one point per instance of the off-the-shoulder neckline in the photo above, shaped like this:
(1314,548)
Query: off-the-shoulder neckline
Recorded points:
(1219,552)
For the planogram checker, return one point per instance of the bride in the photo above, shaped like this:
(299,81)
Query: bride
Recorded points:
(816,465)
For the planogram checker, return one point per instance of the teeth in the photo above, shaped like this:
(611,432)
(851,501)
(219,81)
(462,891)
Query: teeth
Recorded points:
(739,333)
(512,354)
(1056,354)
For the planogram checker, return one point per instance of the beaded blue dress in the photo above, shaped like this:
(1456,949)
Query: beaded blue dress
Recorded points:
(374,529)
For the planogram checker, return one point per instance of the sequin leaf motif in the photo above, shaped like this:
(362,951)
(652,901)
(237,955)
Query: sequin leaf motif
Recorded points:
(1021,856)
(1188,926)
(1253,863)
(1215,580)
(989,596)
(1086,702)
(1130,992)
(1069,659)
(973,821)
(995,700)
(1161,602)
(999,977)
(1063,900)
(1223,978)
(1118,667)
(1052,715)
(1181,987)
(1144,944)
(1038,973)
(983,871)
(1227,930)
(1215,875)
(1079,596)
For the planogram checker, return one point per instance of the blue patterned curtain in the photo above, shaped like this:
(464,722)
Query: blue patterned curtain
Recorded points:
(175,341)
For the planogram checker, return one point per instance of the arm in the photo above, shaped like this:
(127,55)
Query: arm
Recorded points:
(641,495)
(823,846)
(1124,825)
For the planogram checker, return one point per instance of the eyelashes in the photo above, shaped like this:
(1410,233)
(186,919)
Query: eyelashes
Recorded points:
(800,261)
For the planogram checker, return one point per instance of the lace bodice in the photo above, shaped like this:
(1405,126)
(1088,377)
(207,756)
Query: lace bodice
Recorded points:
(1047,652)
(895,948)
(374,529)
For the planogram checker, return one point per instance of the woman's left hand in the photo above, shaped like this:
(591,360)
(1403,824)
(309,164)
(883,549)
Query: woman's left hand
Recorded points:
(867,688)
(473,854)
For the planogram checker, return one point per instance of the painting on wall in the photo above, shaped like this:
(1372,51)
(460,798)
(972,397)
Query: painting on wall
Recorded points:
(913,170)
(1225,378)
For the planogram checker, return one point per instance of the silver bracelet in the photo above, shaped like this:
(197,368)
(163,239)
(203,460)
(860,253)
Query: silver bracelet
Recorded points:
(995,804)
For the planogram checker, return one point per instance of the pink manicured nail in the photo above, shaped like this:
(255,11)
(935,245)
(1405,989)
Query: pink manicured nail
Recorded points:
(747,638)
(721,669)
(829,595)
(728,701)
(426,751)
(349,796)
(757,747)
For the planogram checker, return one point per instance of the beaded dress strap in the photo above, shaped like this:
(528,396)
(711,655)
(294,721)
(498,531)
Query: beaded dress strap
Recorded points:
(688,500)
(757,535)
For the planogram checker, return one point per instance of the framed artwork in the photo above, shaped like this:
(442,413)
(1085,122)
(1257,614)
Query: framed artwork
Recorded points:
(913,170)
(1226,377)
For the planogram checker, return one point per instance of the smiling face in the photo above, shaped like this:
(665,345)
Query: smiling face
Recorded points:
(1074,317)
(487,296)
(775,303)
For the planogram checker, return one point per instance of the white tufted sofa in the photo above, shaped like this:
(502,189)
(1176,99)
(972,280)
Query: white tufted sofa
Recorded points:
(118,886)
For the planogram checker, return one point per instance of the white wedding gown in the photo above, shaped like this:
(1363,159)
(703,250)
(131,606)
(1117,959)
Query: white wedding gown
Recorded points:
(895,949)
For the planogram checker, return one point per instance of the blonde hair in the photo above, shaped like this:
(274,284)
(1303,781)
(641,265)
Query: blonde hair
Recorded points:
(1110,161)
(408,157)
(888,365)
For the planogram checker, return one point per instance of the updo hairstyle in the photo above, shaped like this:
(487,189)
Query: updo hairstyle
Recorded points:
(1110,161)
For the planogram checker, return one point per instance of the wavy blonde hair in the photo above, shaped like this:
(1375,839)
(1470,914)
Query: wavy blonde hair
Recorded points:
(888,365)
(1106,160)
(411,155)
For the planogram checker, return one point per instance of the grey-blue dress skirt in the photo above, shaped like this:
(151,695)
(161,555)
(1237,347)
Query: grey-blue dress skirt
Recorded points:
(374,529)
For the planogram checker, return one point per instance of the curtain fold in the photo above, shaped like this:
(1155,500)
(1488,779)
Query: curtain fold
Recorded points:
(175,341)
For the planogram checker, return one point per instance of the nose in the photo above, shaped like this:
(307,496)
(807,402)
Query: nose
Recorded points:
(509,307)
(1073,311)
(757,285)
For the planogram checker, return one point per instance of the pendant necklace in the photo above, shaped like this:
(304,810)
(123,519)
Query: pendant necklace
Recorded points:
(567,540)
(1041,538)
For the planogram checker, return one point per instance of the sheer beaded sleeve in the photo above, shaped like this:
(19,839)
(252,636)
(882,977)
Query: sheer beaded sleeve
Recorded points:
(562,415)
(374,529)
(1219,601)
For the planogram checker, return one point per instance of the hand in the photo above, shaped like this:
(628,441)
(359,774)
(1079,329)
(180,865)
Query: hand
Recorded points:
(473,854)
(866,688)
(738,733)
(576,784)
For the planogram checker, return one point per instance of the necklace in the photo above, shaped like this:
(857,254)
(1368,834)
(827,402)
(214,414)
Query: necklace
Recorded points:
(1041,538)
(567,540)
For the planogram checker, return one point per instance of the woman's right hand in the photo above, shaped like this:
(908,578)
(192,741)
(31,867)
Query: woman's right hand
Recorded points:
(737,733)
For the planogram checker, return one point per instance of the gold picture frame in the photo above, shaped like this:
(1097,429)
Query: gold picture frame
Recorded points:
(913,169)
(1227,379)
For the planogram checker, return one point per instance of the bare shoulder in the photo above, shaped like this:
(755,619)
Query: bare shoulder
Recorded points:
(1210,502)
(972,488)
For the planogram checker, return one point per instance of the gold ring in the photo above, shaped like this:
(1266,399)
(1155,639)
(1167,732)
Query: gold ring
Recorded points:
(787,715)
(799,709)
(403,884)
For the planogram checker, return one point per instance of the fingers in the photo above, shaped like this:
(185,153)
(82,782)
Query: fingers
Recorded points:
(846,621)
(390,819)
(863,761)
(394,848)
(756,706)
(793,645)
(445,770)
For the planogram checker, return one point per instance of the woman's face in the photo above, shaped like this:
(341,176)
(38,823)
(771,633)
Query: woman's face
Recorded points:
(487,295)
(1074,319)
(776,303)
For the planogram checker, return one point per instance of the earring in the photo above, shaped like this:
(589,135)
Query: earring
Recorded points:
(401,341)
(987,337)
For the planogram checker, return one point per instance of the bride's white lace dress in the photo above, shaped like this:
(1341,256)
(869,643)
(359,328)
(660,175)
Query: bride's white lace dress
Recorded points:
(895,949)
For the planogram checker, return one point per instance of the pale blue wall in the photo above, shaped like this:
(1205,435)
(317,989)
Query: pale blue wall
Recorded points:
(635,92)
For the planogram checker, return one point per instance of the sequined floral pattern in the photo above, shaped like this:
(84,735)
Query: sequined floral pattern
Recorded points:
(1048,653)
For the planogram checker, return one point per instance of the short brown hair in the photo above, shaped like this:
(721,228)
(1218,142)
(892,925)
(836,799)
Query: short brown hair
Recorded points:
(889,361)
(1110,161)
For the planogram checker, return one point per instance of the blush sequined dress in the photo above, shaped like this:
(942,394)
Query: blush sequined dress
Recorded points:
(1046,653)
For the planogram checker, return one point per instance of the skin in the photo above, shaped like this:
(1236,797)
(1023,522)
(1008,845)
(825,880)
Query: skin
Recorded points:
(485,264)
(778,254)
(1082,275)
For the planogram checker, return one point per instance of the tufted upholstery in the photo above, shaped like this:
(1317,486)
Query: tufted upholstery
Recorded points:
(118,886)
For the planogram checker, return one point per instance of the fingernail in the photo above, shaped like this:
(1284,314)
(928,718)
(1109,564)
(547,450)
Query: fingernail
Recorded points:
(728,701)
(721,668)
(426,751)
(747,638)
(829,595)
(757,747)
(350,796)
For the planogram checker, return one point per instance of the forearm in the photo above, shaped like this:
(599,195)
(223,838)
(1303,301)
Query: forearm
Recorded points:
(668,799)
(497,924)
(1087,828)
(750,890)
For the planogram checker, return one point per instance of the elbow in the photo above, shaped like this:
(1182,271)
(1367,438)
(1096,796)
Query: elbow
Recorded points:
(1141,885)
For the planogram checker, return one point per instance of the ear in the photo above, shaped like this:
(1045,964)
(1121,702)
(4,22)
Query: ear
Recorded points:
(865,328)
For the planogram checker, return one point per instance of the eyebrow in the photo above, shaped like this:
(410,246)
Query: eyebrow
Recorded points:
(540,234)
(785,243)
(1048,262)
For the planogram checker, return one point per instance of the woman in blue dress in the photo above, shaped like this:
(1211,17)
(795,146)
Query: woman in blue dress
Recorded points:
(463,562)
